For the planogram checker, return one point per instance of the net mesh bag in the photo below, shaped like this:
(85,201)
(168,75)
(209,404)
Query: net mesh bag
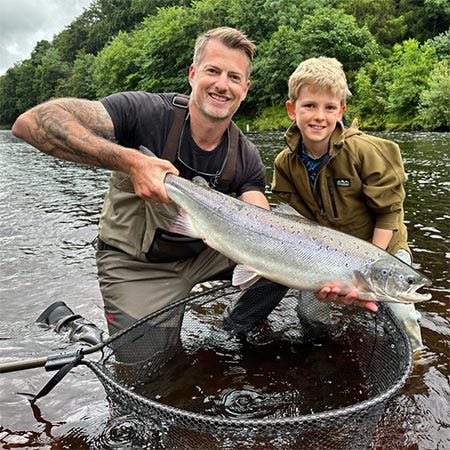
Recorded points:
(211,389)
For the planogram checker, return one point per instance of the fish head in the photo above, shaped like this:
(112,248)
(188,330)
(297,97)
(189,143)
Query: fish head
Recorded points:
(391,280)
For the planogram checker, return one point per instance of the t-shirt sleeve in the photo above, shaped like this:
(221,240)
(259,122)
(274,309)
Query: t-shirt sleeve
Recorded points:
(139,118)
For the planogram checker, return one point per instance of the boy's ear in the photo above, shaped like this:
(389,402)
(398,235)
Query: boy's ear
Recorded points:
(290,108)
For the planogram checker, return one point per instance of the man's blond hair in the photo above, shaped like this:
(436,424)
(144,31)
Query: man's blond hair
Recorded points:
(231,38)
(321,74)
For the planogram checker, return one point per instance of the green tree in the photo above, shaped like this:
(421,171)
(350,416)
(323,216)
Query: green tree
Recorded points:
(80,83)
(332,32)
(380,17)
(50,69)
(261,18)
(441,43)
(410,63)
(369,89)
(277,58)
(8,98)
(434,101)
(115,66)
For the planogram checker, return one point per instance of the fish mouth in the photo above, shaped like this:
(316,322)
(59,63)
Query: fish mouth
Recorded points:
(411,296)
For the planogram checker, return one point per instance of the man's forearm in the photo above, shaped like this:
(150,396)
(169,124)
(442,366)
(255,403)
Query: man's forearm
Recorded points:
(75,130)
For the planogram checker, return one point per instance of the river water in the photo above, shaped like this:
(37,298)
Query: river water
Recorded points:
(48,216)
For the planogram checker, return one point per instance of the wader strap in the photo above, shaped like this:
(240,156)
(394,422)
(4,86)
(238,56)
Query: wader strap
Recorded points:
(230,166)
(171,146)
(179,115)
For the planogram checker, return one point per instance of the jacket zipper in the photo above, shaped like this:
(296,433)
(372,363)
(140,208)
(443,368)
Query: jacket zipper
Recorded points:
(332,197)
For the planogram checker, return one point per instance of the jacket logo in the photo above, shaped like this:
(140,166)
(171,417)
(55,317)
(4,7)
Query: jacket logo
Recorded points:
(343,182)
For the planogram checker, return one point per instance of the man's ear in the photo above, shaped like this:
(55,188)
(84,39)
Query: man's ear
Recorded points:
(191,73)
(247,87)
(290,108)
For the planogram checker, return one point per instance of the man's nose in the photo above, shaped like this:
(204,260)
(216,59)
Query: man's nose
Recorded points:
(222,83)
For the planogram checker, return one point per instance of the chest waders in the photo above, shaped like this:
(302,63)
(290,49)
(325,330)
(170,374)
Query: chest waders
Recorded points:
(167,246)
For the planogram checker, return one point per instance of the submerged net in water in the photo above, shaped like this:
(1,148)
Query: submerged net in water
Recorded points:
(215,390)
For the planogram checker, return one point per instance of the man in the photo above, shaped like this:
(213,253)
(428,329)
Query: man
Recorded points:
(141,265)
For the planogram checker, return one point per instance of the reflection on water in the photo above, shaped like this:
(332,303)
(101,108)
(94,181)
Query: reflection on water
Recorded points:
(48,215)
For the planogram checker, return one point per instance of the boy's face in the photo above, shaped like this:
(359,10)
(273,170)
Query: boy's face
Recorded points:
(316,114)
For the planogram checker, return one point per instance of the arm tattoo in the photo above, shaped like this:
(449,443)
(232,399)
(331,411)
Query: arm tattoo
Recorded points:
(76,130)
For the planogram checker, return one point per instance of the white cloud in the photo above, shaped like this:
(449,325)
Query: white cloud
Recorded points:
(25,22)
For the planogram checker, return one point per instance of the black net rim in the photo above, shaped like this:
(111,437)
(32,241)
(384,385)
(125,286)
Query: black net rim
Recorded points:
(377,400)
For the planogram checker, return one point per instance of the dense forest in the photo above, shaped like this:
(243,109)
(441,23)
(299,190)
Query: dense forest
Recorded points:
(396,54)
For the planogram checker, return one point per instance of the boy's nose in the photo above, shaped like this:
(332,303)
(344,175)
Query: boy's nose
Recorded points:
(320,114)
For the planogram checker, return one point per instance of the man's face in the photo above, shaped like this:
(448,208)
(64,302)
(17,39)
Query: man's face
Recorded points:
(316,114)
(219,82)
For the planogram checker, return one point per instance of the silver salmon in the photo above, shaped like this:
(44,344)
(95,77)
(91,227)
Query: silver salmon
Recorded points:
(288,249)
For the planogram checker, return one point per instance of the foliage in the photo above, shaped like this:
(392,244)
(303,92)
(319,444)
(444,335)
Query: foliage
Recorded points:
(331,32)
(441,43)
(410,65)
(395,54)
(272,118)
(379,17)
(434,101)
(277,59)
(80,83)
(115,65)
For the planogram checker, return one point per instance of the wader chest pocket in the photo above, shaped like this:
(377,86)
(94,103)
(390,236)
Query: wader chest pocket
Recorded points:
(170,247)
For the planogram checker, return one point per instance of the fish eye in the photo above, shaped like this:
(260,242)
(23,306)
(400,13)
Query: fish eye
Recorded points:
(410,280)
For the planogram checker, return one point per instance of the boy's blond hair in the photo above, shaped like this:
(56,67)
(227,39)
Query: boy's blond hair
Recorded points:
(231,38)
(322,74)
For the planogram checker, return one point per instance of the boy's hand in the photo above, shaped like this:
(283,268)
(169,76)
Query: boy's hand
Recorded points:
(333,294)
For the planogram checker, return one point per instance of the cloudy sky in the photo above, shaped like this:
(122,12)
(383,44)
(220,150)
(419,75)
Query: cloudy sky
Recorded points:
(25,22)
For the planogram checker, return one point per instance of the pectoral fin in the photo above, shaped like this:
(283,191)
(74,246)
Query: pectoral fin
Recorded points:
(359,281)
(244,277)
(183,225)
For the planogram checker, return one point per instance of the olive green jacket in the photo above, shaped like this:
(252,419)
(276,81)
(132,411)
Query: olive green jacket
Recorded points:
(359,187)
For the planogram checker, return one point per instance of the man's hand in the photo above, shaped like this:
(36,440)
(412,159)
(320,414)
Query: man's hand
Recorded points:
(335,294)
(147,175)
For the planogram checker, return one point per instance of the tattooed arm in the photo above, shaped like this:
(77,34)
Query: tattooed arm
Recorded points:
(81,131)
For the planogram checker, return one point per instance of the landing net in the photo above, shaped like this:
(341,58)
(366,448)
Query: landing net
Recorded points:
(308,406)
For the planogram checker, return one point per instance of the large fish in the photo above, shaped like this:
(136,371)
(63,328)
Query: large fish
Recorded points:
(288,249)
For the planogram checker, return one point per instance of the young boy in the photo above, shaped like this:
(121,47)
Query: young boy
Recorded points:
(340,178)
